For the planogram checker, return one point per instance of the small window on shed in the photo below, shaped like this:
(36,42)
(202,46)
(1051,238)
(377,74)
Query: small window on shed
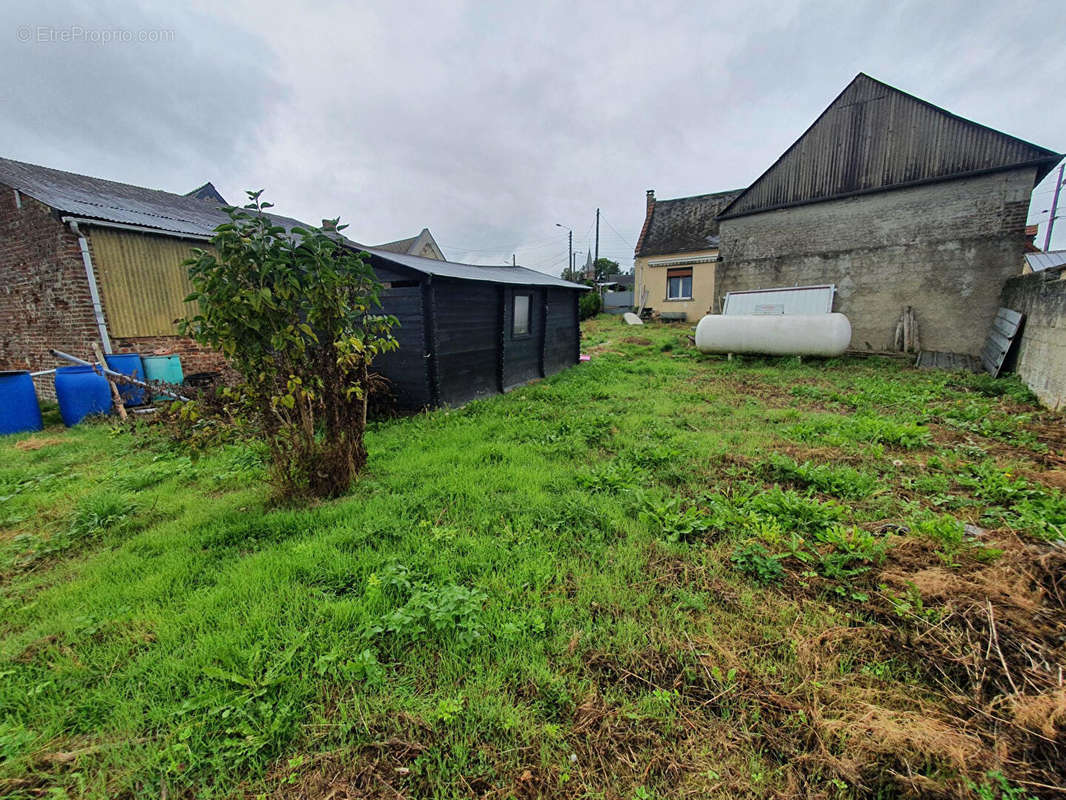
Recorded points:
(520,321)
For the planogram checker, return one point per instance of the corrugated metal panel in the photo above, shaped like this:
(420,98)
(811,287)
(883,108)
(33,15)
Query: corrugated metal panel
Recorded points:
(1049,260)
(788,300)
(142,281)
(874,136)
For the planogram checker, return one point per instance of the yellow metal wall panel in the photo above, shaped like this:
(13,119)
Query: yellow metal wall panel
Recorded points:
(142,281)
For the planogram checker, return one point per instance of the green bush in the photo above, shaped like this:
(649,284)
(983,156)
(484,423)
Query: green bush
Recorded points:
(590,304)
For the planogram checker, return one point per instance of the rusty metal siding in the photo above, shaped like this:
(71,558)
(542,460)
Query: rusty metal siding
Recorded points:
(142,281)
(875,137)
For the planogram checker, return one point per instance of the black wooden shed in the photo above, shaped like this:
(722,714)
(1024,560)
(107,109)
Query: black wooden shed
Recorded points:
(468,331)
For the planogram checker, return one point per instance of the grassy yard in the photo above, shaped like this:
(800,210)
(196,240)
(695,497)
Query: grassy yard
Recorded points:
(656,575)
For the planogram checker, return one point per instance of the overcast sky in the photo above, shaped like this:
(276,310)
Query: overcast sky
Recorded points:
(491,122)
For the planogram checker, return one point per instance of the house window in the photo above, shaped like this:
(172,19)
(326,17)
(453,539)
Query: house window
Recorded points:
(679,284)
(520,320)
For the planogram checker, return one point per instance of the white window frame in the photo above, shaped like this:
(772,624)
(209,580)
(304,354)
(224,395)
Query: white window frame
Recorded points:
(681,279)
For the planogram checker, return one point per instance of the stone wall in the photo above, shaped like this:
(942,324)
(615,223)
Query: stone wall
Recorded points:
(1041,352)
(943,248)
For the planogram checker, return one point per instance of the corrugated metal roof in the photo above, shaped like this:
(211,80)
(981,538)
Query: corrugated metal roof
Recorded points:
(96,198)
(874,137)
(1048,260)
(519,276)
(684,224)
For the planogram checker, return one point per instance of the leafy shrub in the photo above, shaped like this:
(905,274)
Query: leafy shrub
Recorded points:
(291,311)
(589,305)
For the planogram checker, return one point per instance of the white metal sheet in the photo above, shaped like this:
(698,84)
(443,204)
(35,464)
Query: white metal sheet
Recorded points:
(785,300)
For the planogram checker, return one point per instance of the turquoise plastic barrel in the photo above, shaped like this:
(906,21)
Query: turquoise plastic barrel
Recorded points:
(81,392)
(128,364)
(19,411)
(166,369)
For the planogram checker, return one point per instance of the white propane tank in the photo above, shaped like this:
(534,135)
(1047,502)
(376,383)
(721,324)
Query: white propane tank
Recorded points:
(774,334)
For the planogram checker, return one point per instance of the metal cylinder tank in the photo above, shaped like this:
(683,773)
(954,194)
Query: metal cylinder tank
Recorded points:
(774,334)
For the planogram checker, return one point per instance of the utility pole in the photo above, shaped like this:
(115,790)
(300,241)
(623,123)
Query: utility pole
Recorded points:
(597,258)
(570,249)
(513,263)
(1054,208)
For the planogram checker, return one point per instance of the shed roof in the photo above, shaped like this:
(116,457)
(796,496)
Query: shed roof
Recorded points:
(684,224)
(518,276)
(874,137)
(1048,260)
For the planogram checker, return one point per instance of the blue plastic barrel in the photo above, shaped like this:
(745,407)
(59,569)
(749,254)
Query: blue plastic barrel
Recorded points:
(166,369)
(81,392)
(128,364)
(19,411)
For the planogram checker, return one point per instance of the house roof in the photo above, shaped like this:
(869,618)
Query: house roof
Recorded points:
(418,245)
(1049,260)
(874,137)
(518,276)
(684,224)
(98,199)
(207,192)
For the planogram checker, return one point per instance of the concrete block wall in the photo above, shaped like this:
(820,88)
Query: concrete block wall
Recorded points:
(943,248)
(1041,351)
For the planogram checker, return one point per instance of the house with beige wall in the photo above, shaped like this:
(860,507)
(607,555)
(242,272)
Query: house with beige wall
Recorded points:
(676,255)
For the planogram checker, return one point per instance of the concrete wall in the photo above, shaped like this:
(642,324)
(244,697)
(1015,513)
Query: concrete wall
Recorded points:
(944,248)
(650,274)
(1041,352)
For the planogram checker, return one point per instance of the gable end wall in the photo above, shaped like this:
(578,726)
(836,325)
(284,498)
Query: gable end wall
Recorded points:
(945,249)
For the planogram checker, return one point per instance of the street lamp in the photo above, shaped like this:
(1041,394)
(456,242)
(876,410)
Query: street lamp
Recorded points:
(570,246)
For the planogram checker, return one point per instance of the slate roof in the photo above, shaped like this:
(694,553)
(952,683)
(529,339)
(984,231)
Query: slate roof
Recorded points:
(96,198)
(684,224)
(874,137)
(207,192)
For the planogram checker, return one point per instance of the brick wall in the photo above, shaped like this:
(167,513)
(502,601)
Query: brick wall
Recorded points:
(45,302)
(194,357)
(44,294)
(1041,356)
(944,248)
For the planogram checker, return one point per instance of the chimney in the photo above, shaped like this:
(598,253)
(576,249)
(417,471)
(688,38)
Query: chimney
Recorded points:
(647,219)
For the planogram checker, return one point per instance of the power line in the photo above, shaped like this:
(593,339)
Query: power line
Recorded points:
(613,228)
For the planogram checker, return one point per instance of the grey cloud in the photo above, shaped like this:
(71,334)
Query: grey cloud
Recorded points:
(492,122)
